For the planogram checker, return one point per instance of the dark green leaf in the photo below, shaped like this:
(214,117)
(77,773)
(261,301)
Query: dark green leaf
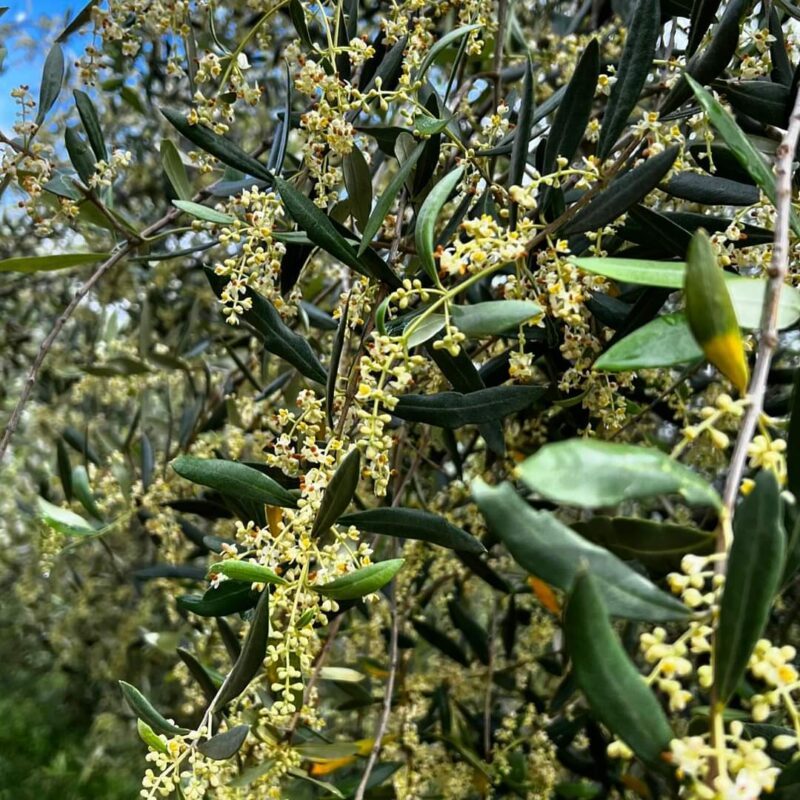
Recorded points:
(298,17)
(769,103)
(475,635)
(711,190)
(427,217)
(412,523)
(659,546)
(554,553)
(358,183)
(234,479)
(616,692)
(64,469)
(79,20)
(338,493)
(611,473)
(251,657)
(362,581)
(522,136)
(144,710)
(572,116)
(441,641)
(231,597)
(278,338)
(80,156)
(703,14)
(199,673)
(224,745)
(623,193)
(387,197)
(634,66)
(755,566)
(453,409)
(52,78)
(442,44)
(91,123)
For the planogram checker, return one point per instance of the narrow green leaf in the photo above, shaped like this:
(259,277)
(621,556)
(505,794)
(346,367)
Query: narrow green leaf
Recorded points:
(218,146)
(333,366)
(442,44)
(494,317)
(234,479)
(52,79)
(611,473)
(64,469)
(659,546)
(62,519)
(358,183)
(426,330)
(362,581)
(703,14)
(50,263)
(91,123)
(616,692)
(199,673)
(413,523)
(453,409)
(145,711)
(204,212)
(740,145)
(338,493)
(298,16)
(623,193)
(711,190)
(175,170)
(572,116)
(554,553)
(755,566)
(441,641)
(427,216)
(634,66)
(666,341)
(224,745)
(522,136)
(246,571)
(80,155)
(278,338)
(475,635)
(387,197)
(150,737)
(251,657)
(78,21)
(83,492)
(230,597)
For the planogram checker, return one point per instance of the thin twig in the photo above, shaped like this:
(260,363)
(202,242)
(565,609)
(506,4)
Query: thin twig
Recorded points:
(768,339)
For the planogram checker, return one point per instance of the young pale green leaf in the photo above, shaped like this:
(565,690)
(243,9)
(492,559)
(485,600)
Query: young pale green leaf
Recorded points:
(442,44)
(387,197)
(321,230)
(413,523)
(494,317)
(358,183)
(522,136)
(91,123)
(755,567)
(224,745)
(175,170)
(659,546)
(341,674)
(150,737)
(50,263)
(246,571)
(611,473)
(666,341)
(362,581)
(746,154)
(218,146)
(250,658)
(634,66)
(426,330)
(62,519)
(324,751)
(616,692)
(338,493)
(453,409)
(204,212)
(231,597)
(623,193)
(52,78)
(554,553)
(278,338)
(234,479)
(573,112)
(145,711)
(427,216)
(710,312)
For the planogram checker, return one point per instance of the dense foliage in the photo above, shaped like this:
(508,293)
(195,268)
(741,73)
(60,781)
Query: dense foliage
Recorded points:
(398,402)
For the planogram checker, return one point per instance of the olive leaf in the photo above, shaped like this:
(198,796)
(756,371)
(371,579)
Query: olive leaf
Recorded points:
(338,493)
(246,571)
(224,745)
(360,582)
(91,123)
(52,79)
(145,711)
(427,216)
(175,170)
